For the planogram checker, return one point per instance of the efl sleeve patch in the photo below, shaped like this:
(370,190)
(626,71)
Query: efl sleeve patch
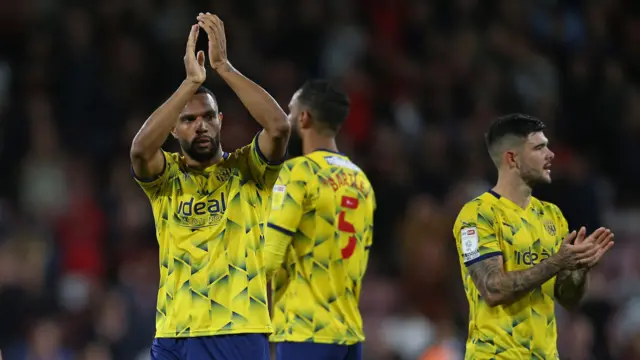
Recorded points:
(469,244)
(277,197)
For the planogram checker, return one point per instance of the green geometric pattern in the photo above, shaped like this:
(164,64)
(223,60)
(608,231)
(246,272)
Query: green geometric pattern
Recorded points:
(209,226)
(316,292)
(525,329)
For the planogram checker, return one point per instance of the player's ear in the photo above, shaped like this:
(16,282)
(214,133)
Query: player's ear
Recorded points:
(510,158)
(305,120)
(220,116)
(173,132)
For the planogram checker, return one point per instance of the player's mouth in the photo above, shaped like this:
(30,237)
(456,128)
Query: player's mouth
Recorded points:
(202,141)
(547,168)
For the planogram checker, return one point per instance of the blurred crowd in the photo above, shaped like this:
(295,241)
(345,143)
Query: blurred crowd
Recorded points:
(78,255)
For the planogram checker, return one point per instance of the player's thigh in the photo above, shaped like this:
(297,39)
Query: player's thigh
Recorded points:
(229,347)
(167,349)
(310,351)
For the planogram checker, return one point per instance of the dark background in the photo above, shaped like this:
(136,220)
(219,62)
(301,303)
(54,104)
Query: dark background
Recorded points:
(78,256)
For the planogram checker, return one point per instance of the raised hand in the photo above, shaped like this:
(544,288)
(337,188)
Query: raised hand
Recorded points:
(572,255)
(578,252)
(602,239)
(217,39)
(194,63)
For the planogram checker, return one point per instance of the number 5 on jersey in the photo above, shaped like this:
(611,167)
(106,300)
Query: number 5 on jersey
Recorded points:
(347,227)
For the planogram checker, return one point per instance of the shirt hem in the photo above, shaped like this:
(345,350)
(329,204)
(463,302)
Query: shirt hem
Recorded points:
(252,330)
(316,340)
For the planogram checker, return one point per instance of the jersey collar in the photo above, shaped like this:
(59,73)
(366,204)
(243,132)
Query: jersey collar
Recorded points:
(330,151)
(508,202)
(225,156)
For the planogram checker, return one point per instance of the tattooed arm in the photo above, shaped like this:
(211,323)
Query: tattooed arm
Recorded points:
(499,287)
(570,287)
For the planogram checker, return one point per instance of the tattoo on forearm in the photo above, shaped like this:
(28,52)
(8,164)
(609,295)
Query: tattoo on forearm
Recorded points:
(570,287)
(500,287)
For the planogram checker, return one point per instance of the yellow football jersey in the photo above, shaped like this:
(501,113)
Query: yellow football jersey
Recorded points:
(492,225)
(325,204)
(209,226)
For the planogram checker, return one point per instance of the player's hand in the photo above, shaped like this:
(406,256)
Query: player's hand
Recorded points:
(194,63)
(217,39)
(602,239)
(573,256)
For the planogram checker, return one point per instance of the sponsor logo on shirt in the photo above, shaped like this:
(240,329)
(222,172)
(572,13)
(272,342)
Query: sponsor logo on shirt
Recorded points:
(201,213)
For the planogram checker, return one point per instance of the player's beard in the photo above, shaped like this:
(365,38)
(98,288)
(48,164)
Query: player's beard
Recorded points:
(198,154)
(532,177)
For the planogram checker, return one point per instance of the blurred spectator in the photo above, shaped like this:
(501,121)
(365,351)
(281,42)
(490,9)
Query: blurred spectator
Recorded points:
(44,342)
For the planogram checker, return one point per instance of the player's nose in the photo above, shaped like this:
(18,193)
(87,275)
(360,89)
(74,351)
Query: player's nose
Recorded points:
(551,155)
(201,126)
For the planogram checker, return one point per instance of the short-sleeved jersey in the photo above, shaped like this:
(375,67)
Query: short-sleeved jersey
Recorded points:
(326,204)
(209,226)
(492,225)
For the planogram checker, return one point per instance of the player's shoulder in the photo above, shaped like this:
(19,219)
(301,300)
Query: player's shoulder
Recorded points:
(331,162)
(238,159)
(547,207)
(298,169)
(290,163)
(301,165)
(481,203)
(481,206)
(172,159)
(238,153)
(328,159)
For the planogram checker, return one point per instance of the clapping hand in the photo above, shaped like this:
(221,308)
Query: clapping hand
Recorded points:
(194,63)
(578,252)
(217,39)
(602,239)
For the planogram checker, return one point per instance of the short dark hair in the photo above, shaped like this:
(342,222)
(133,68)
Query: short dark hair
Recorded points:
(518,125)
(514,125)
(205,90)
(328,103)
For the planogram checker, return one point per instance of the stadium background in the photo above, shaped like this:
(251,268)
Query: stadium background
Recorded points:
(78,258)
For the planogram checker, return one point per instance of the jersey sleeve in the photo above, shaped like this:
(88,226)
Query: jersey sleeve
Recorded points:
(287,201)
(263,171)
(154,187)
(475,233)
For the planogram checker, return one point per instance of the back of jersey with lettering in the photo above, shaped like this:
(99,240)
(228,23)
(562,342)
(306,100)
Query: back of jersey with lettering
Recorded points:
(326,204)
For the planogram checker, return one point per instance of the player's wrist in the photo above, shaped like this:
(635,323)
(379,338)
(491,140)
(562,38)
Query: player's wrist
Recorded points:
(557,262)
(223,66)
(190,84)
